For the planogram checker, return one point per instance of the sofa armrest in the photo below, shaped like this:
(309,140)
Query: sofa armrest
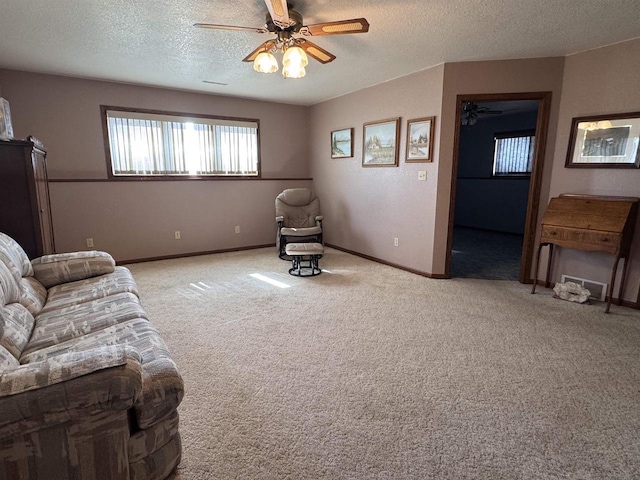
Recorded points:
(62,388)
(52,270)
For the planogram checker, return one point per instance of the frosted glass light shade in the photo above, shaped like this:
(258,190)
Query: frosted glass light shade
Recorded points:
(289,72)
(295,57)
(265,62)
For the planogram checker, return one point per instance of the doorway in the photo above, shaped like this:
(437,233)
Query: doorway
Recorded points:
(499,150)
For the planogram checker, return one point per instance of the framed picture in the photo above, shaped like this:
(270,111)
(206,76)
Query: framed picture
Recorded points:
(419,143)
(6,129)
(380,143)
(605,141)
(342,143)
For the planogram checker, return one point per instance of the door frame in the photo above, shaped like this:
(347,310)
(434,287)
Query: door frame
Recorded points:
(535,184)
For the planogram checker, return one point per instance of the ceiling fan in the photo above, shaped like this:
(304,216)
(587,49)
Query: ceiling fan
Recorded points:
(286,24)
(471,111)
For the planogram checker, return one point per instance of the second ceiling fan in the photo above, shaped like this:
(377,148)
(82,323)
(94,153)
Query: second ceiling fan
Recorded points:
(471,111)
(286,24)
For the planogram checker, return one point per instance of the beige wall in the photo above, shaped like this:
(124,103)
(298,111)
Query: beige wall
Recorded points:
(138,220)
(365,208)
(606,80)
(133,220)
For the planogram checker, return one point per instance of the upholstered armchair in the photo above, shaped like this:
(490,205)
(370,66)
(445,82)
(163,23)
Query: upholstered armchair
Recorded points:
(298,218)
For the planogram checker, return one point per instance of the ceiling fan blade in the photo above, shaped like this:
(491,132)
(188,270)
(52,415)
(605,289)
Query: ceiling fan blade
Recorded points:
(279,12)
(314,51)
(265,47)
(355,25)
(230,27)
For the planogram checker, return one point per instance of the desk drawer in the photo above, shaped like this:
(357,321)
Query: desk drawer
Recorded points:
(581,239)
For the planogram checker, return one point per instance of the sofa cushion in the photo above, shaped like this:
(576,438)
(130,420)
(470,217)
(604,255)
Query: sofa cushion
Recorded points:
(51,270)
(66,323)
(7,360)
(162,386)
(81,291)
(15,328)
(13,253)
(9,287)
(16,323)
(34,295)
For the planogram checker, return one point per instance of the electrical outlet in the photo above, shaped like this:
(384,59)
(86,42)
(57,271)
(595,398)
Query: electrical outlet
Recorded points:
(177,234)
(89,242)
(395,241)
(422,175)
(237,228)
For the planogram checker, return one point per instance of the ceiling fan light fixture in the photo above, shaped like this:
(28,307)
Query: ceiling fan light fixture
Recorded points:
(289,29)
(469,120)
(289,71)
(265,62)
(295,58)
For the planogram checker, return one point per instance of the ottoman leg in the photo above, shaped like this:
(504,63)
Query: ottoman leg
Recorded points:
(296,265)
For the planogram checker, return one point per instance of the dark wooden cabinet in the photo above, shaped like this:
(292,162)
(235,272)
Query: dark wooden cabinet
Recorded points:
(25,211)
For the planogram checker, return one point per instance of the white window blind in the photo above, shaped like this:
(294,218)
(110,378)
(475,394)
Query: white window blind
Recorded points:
(147,144)
(513,154)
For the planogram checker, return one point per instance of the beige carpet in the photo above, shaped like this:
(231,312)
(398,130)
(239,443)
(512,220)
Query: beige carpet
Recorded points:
(369,372)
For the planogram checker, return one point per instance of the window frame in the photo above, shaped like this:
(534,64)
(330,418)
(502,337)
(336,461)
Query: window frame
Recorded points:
(178,177)
(512,134)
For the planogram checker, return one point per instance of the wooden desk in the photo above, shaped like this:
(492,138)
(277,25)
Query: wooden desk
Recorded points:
(591,223)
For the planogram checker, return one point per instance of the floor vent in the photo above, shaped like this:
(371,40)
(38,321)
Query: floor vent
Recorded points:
(598,290)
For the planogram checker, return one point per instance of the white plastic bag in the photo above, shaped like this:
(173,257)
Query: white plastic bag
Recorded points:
(572,292)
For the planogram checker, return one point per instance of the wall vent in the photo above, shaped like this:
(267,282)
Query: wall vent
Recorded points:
(598,290)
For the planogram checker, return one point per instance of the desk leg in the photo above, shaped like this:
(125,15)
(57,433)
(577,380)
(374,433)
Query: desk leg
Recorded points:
(535,271)
(547,284)
(613,279)
(623,279)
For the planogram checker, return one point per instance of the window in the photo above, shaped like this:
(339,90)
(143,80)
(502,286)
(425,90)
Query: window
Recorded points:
(513,153)
(145,143)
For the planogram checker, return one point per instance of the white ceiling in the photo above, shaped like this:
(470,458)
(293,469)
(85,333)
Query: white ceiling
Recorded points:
(154,43)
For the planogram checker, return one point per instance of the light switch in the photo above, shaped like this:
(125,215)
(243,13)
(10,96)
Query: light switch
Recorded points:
(422,175)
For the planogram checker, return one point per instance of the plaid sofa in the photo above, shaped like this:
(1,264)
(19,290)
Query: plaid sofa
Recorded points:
(88,389)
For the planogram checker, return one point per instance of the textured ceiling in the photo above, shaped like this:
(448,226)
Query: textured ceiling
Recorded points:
(154,43)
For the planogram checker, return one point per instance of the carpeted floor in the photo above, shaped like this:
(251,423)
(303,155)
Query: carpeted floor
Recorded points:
(369,372)
(485,254)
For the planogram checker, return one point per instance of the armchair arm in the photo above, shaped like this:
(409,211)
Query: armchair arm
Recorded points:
(279,220)
(52,270)
(319,219)
(60,389)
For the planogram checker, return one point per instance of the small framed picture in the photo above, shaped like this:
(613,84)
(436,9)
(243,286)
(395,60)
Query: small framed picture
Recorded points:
(419,140)
(380,143)
(342,143)
(6,129)
(605,141)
